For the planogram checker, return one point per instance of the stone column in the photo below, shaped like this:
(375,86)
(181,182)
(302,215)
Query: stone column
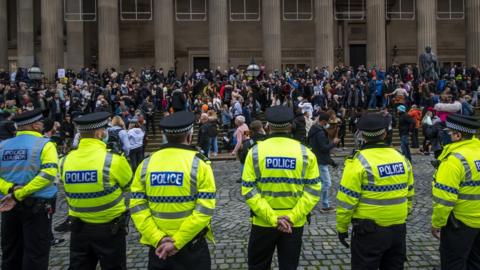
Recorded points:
(426,25)
(108,39)
(3,35)
(324,37)
(25,50)
(472,32)
(75,46)
(376,43)
(218,34)
(52,37)
(271,31)
(164,38)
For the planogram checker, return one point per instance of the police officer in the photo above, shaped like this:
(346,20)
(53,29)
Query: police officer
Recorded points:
(456,196)
(173,199)
(95,181)
(28,168)
(375,195)
(281,185)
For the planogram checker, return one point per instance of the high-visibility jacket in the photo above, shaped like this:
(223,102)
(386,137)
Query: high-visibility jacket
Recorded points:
(31,161)
(173,194)
(456,186)
(280,178)
(95,181)
(377,184)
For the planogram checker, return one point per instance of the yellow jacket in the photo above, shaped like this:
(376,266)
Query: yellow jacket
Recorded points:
(280,178)
(377,184)
(95,181)
(173,194)
(456,185)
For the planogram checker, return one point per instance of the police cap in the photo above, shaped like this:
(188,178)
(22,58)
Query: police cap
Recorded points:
(372,124)
(28,117)
(178,123)
(279,116)
(92,121)
(463,123)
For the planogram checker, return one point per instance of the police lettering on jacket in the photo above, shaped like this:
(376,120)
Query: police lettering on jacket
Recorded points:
(81,177)
(280,163)
(166,179)
(391,169)
(15,154)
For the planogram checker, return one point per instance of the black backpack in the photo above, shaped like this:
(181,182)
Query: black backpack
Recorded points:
(114,141)
(243,151)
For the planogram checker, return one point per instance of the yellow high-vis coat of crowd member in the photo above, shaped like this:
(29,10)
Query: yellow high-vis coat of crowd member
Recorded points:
(456,187)
(173,194)
(377,184)
(277,182)
(95,181)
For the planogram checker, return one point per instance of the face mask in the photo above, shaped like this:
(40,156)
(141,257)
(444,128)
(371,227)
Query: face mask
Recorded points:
(105,139)
(327,126)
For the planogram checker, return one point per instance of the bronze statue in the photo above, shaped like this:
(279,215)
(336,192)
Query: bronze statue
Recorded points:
(429,68)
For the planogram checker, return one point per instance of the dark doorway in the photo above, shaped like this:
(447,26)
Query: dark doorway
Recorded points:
(358,55)
(201,63)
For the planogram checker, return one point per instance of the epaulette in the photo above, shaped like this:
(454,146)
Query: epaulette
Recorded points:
(353,154)
(202,157)
(116,152)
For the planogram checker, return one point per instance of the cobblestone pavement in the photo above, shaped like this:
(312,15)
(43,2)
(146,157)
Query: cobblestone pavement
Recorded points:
(321,250)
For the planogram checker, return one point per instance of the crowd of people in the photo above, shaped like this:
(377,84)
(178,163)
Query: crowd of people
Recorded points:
(230,101)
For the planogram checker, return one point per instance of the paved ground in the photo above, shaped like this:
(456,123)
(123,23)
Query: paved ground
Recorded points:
(321,250)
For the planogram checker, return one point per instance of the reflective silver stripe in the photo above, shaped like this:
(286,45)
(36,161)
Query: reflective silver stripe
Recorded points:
(97,208)
(19,168)
(345,205)
(193,175)
(383,202)
(312,191)
(368,168)
(47,176)
(171,215)
(106,170)
(204,210)
(468,171)
(304,160)
(36,150)
(256,167)
(282,194)
(408,164)
(251,193)
(138,208)
(469,197)
(62,162)
(143,173)
(442,201)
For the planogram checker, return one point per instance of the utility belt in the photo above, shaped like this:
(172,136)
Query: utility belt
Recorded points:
(36,205)
(365,226)
(119,224)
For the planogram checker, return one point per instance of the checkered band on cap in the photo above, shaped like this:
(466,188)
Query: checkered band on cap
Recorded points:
(460,128)
(373,133)
(29,121)
(281,125)
(179,130)
(92,126)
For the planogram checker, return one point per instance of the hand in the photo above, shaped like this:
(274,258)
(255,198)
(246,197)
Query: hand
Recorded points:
(436,233)
(336,140)
(7,203)
(284,224)
(343,237)
(165,248)
(233,153)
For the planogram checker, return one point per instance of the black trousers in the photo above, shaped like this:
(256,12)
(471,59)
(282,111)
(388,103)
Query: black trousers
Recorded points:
(262,243)
(26,235)
(384,249)
(459,247)
(93,243)
(194,255)
(136,157)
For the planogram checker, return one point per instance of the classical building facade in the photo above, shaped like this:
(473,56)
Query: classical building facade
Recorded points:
(189,34)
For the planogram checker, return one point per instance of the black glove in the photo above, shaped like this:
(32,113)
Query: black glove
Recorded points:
(342,237)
